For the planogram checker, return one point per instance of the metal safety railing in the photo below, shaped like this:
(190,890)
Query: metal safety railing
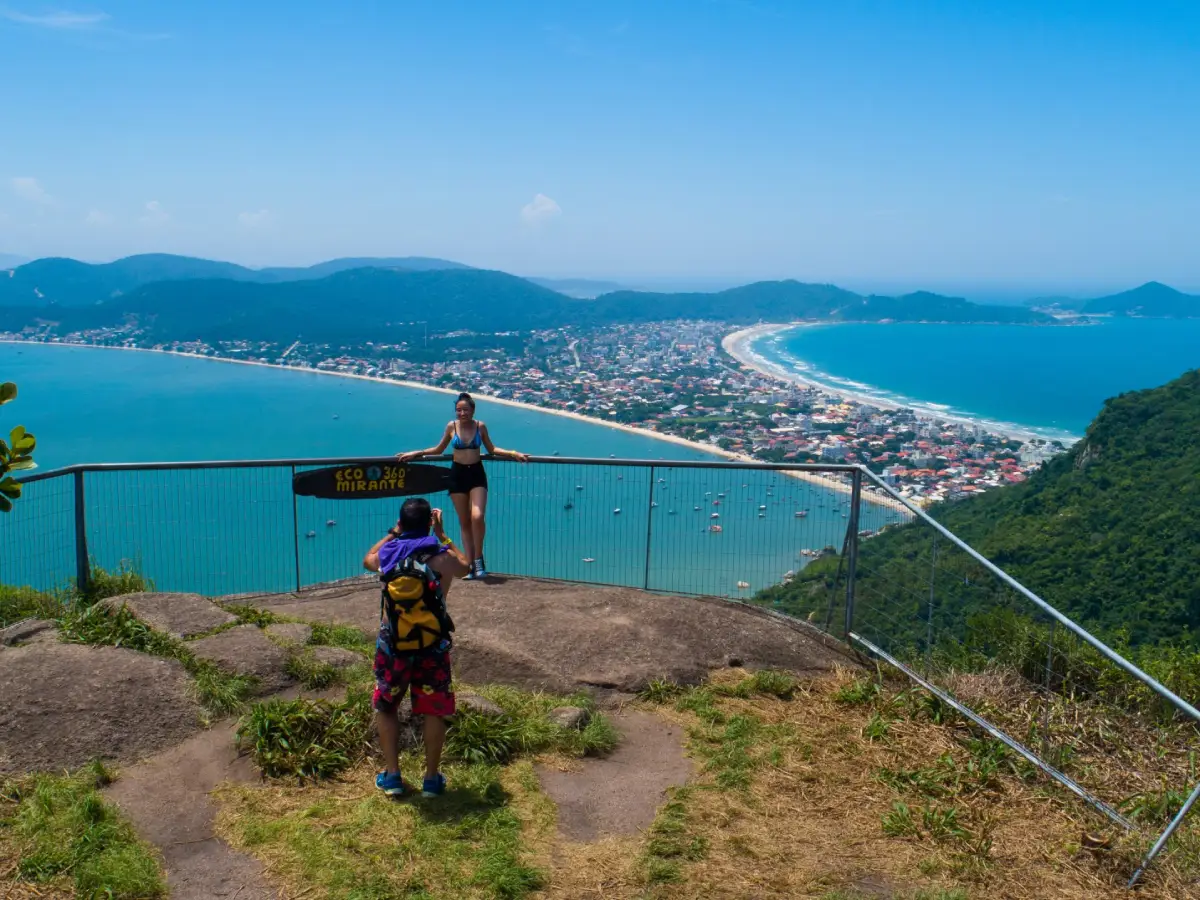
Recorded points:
(920,599)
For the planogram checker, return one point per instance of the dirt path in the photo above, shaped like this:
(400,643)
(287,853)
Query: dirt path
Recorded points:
(166,798)
(621,793)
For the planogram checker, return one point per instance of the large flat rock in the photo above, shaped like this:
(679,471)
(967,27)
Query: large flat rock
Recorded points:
(621,793)
(561,636)
(246,650)
(64,704)
(182,615)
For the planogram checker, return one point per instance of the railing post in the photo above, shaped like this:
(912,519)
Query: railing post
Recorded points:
(649,524)
(82,571)
(929,610)
(852,542)
(295,531)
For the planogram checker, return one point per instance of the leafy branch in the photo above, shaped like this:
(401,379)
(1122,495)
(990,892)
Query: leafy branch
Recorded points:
(15,455)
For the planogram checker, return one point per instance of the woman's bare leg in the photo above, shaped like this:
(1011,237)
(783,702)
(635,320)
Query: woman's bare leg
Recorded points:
(479,497)
(462,506)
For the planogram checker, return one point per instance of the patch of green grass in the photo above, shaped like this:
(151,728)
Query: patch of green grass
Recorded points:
(660,690)
(318,739)
(345,636)
(219,692)
(774,683)
(19,603)
(250,615)
(103,584)
(62,829)
(670,838)
(362,845)
(899,821)
(860,692)
(533,732)
(307,738)
(703,702)
(1154,807)
(877,727)
(311,672)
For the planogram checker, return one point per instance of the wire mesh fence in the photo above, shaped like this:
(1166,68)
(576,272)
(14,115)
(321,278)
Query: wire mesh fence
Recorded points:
(717,530)
(37,548)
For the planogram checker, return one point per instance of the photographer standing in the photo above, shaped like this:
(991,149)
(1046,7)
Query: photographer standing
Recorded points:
(416,562)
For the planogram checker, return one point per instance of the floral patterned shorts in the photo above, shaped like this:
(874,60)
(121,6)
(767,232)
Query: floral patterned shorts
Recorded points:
(428,674)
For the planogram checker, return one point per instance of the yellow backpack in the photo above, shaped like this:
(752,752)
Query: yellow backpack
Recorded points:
(415,609)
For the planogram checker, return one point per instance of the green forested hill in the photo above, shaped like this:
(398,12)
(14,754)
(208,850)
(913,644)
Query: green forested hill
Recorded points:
(1108,533)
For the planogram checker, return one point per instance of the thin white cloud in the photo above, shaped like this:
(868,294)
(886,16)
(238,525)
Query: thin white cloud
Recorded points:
(260,219)
(540,209)
(97,218)
(154,214)
(96,24)
(61,20)
(28,188)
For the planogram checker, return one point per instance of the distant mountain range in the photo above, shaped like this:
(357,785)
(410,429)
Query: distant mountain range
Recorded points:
(1152,299)
(68,282)
(362,299)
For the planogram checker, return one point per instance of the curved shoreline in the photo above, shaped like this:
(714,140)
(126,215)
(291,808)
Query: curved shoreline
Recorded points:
(821,480)
(740,346)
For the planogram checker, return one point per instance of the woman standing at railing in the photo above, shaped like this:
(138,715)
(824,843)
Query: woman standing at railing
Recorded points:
(468,482)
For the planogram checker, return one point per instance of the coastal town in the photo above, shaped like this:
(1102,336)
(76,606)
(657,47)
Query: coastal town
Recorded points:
(672,378)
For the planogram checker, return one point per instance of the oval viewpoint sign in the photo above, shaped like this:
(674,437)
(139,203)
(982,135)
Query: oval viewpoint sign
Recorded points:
(371,481)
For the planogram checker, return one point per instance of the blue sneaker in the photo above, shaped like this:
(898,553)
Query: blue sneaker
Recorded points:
(391,783)
(434,787)
(480,568)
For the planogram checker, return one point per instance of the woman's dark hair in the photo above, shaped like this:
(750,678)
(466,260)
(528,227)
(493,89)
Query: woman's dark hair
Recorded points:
(464,396)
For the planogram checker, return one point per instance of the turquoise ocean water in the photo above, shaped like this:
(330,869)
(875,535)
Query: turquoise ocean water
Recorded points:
(231,530)
(1052,380)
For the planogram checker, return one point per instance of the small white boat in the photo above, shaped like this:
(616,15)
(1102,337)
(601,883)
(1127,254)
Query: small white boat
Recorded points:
(617,511)
(653,503)
(588,559)
(579,487)
(696,508)
(762,515)
(311,534)
(743,585)
(671,512)
(662,481)
(715,516)
(330,523)
(761,508)
(801,513)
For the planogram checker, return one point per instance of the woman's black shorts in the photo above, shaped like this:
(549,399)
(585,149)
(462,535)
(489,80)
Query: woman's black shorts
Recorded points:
(465,477)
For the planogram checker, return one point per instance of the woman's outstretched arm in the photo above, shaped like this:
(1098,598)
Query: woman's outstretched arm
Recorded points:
(430,451)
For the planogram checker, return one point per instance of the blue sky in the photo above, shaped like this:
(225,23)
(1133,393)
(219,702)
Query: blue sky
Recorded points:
(986,147)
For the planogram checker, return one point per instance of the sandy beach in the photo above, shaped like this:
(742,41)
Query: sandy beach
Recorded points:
(832,484)
(740,345)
